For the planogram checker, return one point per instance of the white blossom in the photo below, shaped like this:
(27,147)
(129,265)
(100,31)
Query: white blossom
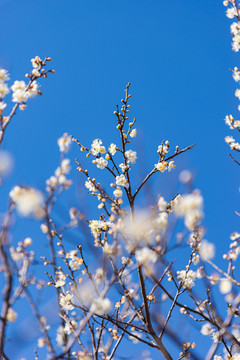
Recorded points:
(64,143)
(60,279)
(36,62)
(97,226)
(29,202)
(185,176)
(186,278)
(122,181)
(133,133)
(207,329)
(33,89)
(162,204)
(131,156)
(207,250)
(6,163)
(225,286)
(145,256)
(216,337)
(4,90)
(90,186)
(231,12)
(66,301)
(20,96)
(236,74)
(60,337)
(171,165)
(11,315)
(101,306)
(123,167)
(4,76)
(112,149)
(100,162)
(161,166)
(118,192)
(97,147)
(3,105)
(190,207)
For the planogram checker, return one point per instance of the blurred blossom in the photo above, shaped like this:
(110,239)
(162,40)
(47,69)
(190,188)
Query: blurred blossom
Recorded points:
(185,176)
(29,202)
(207,250)
(6,163)
(101,306)
(225,286)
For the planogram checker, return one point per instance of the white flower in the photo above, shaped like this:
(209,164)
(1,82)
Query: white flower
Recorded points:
(161,166)
(190,207)
(74,265)
(6,163)
(162,220)
(4,90)
(162,204)
(35,73)
(145,256)
(101,306)
(236,74)
(11,315)
(2,106)
(65,166)
(4,76)
(206,329)
(112,250)
(100,162)
(131,156)
(33,89)
(112,149)
(122,181)
(41,342)
(19,85)
(36,62)
(123,167)
(163,149)
(20,96)
(118,192)
(60,279)
(186,278)
(185,176)
(60,335)
(229,139)
(133,133)
(234,236)
(235,28)
(97,147)
(28,201)
(64,143)
(27,242)
(90,186)
(231,12)
(216,337)
(66,302)
(97,226)
(207,250)
(237,93)
(229,121)
(216,357)
(225,286)
(171,165)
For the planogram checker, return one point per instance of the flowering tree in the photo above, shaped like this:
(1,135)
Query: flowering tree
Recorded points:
(130,288)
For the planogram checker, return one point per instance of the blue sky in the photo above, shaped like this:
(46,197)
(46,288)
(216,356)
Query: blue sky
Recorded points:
(177,56)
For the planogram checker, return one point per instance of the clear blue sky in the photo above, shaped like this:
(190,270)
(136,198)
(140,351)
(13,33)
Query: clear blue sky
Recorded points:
(176,54)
